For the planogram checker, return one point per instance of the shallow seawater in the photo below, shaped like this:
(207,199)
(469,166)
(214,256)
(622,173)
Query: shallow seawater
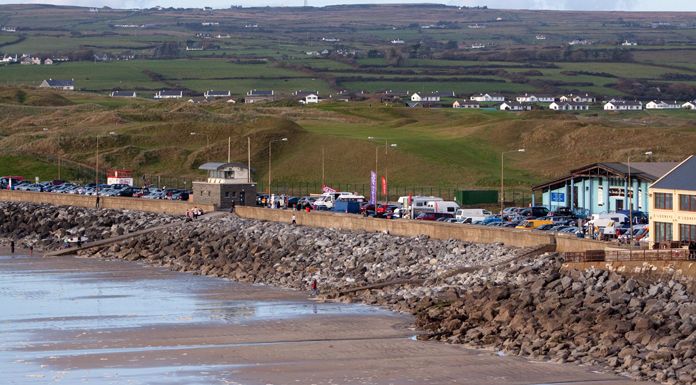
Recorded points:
(40,299)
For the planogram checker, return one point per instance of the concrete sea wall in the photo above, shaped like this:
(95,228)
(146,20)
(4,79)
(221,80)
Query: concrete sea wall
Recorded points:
(149,205)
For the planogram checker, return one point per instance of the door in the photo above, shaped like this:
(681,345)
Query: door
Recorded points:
(619,204)
(575,197)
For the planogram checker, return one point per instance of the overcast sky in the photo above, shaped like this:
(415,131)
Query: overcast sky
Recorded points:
(606,5)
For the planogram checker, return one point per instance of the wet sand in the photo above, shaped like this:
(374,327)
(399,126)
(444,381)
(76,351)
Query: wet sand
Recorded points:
(70,320)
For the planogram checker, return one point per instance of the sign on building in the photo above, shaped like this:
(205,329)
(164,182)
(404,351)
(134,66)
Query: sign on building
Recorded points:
(558,197)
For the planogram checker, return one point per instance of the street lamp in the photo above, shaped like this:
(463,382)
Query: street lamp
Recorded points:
(386,164)
(502,176)
(96,170)
(207,145)
(269,162)
(630,206)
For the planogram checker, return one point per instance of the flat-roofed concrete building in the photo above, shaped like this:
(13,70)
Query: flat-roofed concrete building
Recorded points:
(226,183)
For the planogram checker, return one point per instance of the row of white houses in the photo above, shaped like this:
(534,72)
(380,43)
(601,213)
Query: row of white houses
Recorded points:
(612,105)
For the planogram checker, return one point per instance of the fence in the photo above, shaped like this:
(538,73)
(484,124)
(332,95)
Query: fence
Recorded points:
(630,255)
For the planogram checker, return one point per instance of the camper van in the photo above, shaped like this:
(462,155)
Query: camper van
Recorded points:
(602,220)
(444,207)
(412,206)
(326,200)
(474,214)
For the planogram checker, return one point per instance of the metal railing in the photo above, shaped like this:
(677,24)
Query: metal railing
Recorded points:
(631,255)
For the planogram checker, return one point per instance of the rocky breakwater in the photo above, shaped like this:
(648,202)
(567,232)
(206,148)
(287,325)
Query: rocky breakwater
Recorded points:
(533,308)
(46,226)
(293,256)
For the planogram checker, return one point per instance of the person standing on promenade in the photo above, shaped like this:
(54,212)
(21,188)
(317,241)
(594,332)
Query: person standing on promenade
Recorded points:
(293,220)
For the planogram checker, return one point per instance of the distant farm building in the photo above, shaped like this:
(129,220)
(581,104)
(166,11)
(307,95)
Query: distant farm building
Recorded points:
(123,94)
(256,96)
(212,94)
(487,98)
(569,106)
(66,85)
(169,94)
(465,104)
(623,105)
(661,105)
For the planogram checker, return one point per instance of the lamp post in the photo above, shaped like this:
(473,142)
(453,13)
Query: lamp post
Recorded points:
(386,163)
(502,176)
(207,145)
(269,162)
(96,169)
(631,197)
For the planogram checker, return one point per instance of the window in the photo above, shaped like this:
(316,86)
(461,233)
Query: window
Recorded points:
(687,233)
(600,195)
(663,201)
(663,232)
(687,202)
(227,194)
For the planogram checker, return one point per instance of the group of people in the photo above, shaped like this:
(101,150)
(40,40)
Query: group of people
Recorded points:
(193,213)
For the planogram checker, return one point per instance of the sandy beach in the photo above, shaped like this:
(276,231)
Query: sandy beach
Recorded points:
(70,320)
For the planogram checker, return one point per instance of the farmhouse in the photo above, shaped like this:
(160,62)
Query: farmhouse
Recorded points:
(515,106)
(217,94)
(48,62)
(306,97)
(586,98)
(673,204)
(527,98)
(67,85)
(569,106)
(123,94)
(256,96)
(623,105)
(661,105)
(604,187)
(487,98)
(169,94)
(465,104)
(689,105)
(421,97)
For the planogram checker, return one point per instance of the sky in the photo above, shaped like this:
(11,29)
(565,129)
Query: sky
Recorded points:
(603,5)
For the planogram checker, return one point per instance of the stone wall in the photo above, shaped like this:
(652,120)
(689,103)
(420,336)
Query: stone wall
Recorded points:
(149,205)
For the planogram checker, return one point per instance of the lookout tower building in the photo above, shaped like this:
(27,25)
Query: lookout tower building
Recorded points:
(227,183)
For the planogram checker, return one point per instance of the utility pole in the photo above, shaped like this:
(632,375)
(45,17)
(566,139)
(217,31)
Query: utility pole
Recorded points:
(323,175)
(249,158)
(229,149)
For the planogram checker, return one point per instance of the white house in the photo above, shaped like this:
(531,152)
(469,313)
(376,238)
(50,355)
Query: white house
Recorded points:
(123,94)
(622,105)
(569,106)
(627,43)
(66,85)
(515,106)
(487,98)
(587,98)
(48,61)
(465,104)
(397,41)
(9,59)
(531,98)
(217,94)
(420,97)
(661,105)
(169,94)
(689,105)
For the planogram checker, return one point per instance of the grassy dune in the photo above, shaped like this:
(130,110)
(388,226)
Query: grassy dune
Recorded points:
(434,147)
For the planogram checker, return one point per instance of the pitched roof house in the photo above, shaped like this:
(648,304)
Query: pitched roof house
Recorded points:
(532,98)
(623,105)
(217,94)
(68,85)
(662,105)
(255,96)
(586,98)
(515,106)
(569,106)
(689,105)
(465,104)
(169,94)
(123,94)
(488,98)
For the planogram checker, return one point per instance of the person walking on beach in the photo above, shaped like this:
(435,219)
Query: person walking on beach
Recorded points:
(31,250)
(315,290)
(12,247)
(294,220)
(97,201)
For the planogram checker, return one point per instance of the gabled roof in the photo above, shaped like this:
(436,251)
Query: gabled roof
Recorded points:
(472,102)
(260,93)
(647,171)
(304,93)
(681,177)
(217,93)
(170,92)
(123,93)
(60,83)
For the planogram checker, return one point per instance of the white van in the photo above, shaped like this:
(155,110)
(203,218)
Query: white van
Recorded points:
(601,220)
(474,214)
(418,204)
(443,207)
(326,200)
